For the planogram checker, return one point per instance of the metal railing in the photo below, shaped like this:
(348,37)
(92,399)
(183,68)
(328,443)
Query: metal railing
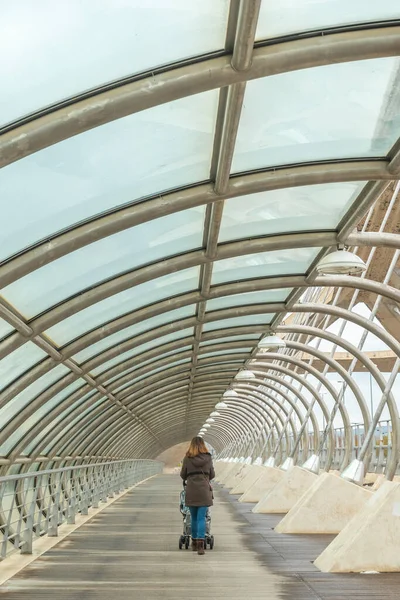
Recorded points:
(382,445)
(36,503)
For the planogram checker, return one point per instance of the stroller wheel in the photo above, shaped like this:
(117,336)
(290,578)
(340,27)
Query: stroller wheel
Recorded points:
(211,542)
(181,542)
(187,543)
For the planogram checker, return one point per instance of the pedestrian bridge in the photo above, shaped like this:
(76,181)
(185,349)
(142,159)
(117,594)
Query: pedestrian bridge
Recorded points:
(130,549)
(199,235)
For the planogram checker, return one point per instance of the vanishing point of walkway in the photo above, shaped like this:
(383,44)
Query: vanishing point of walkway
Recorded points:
(130,551)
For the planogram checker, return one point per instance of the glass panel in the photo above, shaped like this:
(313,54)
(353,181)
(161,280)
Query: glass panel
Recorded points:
(136,368)
(249,298)
(106,258)
(64,415)
(261,320)
(9,444)
(292,16)
(221,352)
(130,354)
(134,352)
(101,41)
(126,333)
(125,302)
(344,110)
(228,368)
(264,264)
(153,372)
(231,338)
(5,328)
(19,402)
(61,334)
(288,210)
(94,171)
(19,361)
(70,426)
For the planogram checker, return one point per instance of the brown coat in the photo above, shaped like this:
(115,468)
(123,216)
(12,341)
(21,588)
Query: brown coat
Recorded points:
(198,489)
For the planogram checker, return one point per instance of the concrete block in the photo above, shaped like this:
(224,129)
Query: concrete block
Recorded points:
(381,479)
(370,478)
(232,468)
(251,475)
(370,542)
(237,476)
(220,469)
(284,495)
(326,507)
(262,485)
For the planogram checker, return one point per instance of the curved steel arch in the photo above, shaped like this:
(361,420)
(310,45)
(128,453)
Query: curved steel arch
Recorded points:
(193,79)
(278,58)
(371,367)
(228,418)
(255,390)
(389,340)
(143,274)
(237,412)
(252,394)
(312,371)
(160,351)
(62,406)
(168,412)
(119,323)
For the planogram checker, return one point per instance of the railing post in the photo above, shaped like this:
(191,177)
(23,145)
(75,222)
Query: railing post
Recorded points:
(54,509)
(27,534)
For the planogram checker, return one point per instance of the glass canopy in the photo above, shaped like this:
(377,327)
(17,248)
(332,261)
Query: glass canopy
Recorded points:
(155,223)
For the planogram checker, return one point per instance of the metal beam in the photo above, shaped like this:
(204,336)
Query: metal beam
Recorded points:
(163,87)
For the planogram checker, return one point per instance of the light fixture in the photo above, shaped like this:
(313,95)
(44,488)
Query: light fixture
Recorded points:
(341,262)
(230,394)
(272,341)
(215,414)
(210,420)
(221,405)
(206,426)
(245,374)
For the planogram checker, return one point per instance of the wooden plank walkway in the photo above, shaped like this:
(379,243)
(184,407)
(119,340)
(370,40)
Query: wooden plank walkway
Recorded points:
(130,550)
(294,555)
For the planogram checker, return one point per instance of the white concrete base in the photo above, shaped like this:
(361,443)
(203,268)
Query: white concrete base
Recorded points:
(262,485)
(252,474)
(371,541)
(370,478)
(284,495)
(380,479)
(378,482)
(233,467)
(220,469)
(237,476)
(326,507)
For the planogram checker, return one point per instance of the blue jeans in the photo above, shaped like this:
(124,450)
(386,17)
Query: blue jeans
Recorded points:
(198,516)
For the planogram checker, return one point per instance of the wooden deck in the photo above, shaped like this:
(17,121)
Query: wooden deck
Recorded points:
(130,551)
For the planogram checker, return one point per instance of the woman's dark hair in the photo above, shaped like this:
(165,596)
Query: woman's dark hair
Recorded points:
(197,446)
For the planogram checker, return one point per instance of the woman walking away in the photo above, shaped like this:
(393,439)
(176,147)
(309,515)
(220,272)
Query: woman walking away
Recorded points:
(197,470)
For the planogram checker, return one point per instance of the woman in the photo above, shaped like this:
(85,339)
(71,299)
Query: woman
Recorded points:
(197,470)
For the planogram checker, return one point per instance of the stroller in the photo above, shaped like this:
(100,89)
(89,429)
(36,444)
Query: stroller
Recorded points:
(184,539)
